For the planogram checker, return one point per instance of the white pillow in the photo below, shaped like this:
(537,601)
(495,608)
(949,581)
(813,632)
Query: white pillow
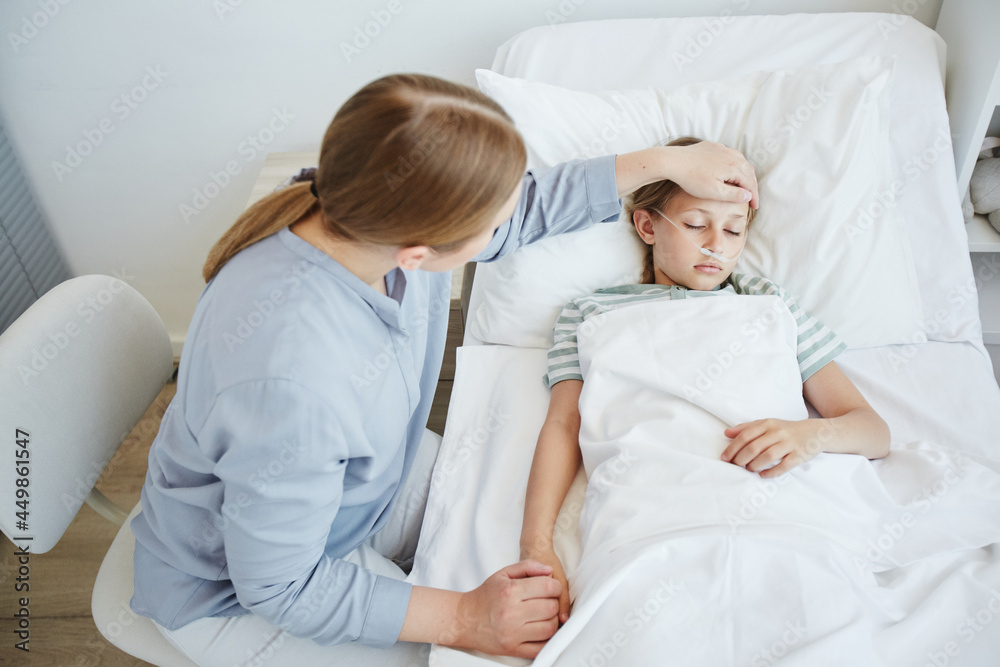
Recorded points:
(827,229)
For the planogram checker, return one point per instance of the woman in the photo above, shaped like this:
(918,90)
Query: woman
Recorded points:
(308,373)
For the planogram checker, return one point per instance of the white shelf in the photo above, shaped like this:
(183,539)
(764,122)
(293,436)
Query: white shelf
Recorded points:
(972,83)
(986,268)
(982,236)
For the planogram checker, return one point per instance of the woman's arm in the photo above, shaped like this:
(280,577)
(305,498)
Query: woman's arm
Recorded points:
(556,460)
(849,426)
(574,195)
(708,170)
(277,526)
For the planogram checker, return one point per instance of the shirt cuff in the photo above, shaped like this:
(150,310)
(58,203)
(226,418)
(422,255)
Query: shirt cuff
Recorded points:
(384,622)
(602,189)
(551,382)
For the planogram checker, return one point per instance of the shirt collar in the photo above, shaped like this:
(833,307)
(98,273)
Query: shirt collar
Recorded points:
(726,285)
(388,308)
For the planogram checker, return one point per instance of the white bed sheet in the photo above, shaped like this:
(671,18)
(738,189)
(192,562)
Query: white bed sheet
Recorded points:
(941,391)
(498,406)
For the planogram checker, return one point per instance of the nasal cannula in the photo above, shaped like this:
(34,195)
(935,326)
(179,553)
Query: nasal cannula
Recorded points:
(704,251)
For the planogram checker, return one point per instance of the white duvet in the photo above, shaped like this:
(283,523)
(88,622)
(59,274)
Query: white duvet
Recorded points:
(688,560)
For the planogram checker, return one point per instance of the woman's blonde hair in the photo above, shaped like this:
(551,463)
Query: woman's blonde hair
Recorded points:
(658,195)
(408,160)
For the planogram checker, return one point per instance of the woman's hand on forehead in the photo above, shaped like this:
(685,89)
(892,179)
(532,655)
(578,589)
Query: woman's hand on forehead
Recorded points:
(710,170)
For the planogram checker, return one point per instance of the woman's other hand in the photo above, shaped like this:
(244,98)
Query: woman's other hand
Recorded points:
(514,612)
(548,557)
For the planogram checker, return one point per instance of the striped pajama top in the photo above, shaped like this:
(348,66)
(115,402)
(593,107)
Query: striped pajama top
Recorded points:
(817,345)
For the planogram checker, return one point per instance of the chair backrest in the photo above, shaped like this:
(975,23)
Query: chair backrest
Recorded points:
(79,369)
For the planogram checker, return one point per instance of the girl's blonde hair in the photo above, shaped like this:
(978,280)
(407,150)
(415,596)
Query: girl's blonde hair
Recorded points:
(408,160)
(658,195)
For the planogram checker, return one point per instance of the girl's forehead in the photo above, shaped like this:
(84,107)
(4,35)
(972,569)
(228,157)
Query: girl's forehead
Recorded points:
(685,203)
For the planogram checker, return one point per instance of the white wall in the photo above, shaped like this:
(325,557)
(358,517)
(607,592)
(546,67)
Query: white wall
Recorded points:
(210,75)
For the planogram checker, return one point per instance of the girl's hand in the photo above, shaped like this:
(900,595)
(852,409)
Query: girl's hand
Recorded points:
(513,613)
(759,444)
(548,557)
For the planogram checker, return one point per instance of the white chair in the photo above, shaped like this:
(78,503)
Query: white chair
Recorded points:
(81,366)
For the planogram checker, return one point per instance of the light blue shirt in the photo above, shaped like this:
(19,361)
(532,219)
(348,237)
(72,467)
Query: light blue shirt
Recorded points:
(302,396)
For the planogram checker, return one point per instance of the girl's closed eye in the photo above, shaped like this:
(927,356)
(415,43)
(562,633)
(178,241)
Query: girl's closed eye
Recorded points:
(731,232)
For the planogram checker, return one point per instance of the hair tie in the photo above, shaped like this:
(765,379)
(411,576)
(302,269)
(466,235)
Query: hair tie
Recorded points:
(312,189)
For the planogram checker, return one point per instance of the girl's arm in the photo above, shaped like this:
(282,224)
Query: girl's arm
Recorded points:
(473,620)
(853,426)
(849,426)
(708,170)
(557,458)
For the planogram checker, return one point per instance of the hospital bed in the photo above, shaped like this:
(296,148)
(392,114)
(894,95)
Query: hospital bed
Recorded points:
(908,309)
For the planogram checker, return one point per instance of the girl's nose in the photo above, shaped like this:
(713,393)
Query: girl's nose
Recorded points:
(715,240)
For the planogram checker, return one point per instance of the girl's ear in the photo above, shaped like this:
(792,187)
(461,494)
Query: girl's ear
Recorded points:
(643,222)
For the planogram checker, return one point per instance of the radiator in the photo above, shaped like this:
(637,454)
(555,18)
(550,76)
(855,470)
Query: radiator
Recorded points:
(30,262)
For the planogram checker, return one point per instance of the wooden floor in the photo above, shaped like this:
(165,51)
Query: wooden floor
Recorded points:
(63,632)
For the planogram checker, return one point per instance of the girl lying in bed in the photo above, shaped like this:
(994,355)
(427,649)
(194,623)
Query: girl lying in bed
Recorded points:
(693,245)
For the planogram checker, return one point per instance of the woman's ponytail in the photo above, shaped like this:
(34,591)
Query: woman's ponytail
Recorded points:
(265,217)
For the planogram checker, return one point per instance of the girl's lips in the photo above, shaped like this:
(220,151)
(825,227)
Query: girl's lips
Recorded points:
(707,268)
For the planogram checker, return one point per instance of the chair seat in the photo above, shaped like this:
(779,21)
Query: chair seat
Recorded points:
(132,633)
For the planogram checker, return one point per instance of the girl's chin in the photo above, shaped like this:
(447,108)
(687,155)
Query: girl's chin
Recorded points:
(707,283)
